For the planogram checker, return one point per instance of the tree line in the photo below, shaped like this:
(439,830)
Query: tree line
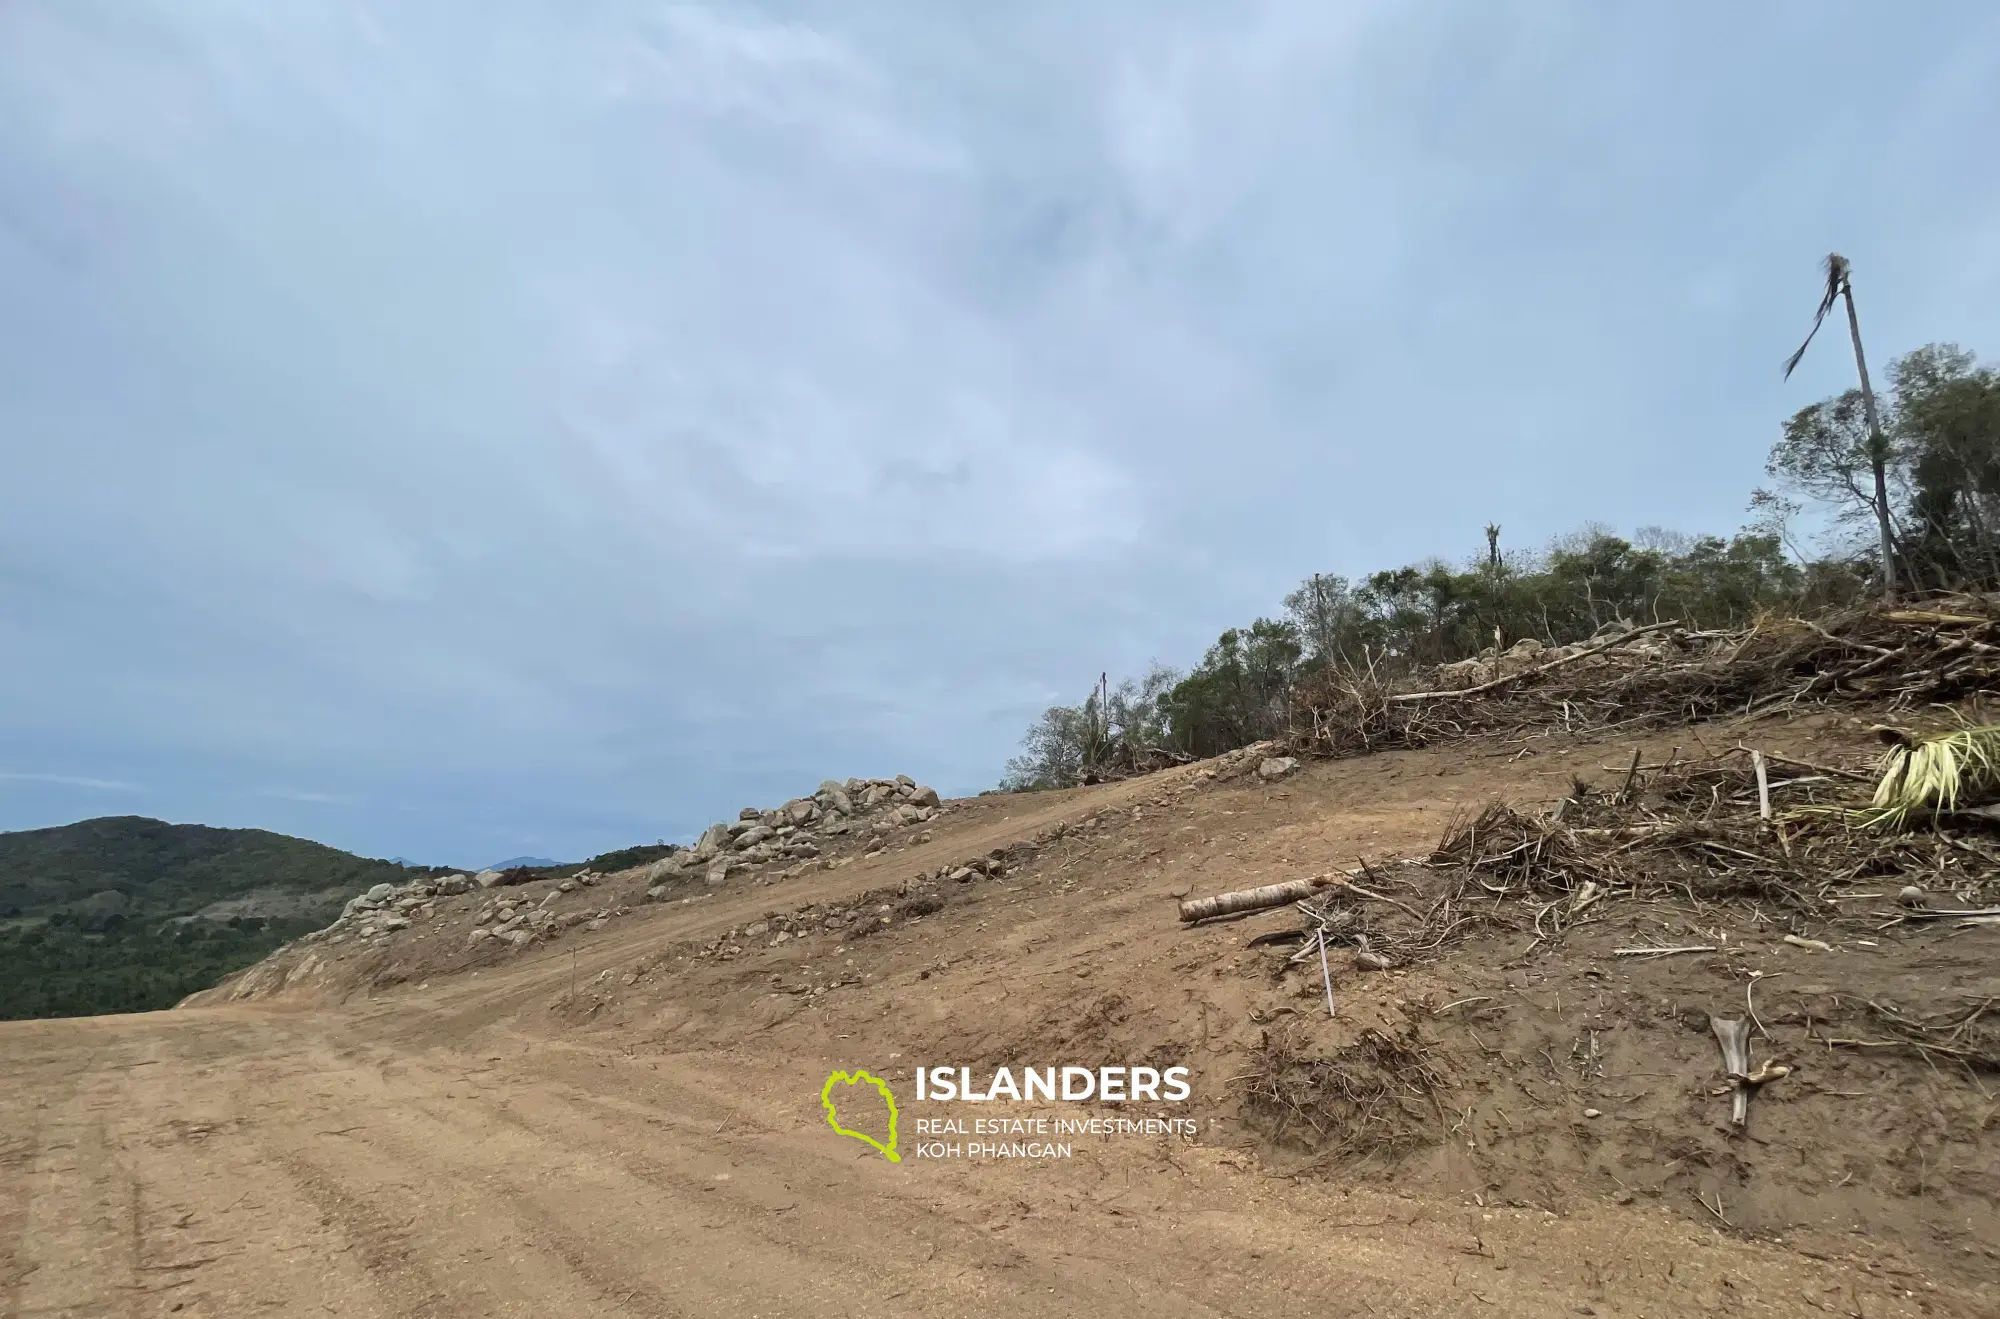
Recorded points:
(1930,519)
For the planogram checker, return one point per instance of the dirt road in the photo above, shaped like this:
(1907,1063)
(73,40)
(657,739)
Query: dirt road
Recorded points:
(234,1162)
(550,1138)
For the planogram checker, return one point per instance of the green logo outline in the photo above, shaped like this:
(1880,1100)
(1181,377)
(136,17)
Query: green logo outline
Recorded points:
(888,1096)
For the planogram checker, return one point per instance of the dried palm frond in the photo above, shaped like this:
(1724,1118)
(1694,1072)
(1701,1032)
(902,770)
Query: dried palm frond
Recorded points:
(1835,267)
(1931,774)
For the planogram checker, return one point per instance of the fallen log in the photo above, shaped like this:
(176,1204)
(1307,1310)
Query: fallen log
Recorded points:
(1932,616)
(1253,899)
(1279,895)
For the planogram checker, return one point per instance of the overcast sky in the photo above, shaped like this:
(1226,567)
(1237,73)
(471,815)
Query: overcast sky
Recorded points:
(454,430)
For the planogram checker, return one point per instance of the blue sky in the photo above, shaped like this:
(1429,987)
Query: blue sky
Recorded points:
(455,430)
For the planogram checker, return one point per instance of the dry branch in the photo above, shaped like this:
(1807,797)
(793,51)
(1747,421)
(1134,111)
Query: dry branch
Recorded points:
(1497,683)
(1663,952)
(1899,658)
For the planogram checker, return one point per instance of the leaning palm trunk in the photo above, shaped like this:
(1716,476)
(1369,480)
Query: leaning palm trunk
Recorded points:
(1840,285)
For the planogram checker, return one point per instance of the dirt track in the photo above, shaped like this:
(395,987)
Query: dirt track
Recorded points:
(583,1131)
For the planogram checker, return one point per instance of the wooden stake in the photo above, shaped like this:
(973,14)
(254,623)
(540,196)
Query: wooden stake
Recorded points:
(1763,786)
(1325,973)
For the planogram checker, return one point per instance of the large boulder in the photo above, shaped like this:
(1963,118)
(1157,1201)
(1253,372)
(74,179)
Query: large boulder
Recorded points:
(754,835)
(1273,768)
(489,879)
(924,796)
(712,842)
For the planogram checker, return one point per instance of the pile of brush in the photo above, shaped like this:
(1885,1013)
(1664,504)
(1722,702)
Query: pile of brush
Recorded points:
(1796,837)
(1663,674)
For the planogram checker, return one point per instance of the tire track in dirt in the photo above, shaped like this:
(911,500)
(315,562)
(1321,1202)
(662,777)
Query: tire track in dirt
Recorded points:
(578,1230)
(52,1077)
(79,1229)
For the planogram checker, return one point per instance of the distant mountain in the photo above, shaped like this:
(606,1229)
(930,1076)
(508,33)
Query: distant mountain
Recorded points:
(531,862)
(125,914)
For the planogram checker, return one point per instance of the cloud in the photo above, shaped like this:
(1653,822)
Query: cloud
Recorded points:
(72,781)
(545,427)
(309,798)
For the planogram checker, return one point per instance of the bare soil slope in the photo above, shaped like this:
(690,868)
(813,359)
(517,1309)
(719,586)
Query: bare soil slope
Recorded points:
(626,1120)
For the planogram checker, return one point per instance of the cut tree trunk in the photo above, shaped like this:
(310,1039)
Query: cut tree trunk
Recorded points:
(1251,899)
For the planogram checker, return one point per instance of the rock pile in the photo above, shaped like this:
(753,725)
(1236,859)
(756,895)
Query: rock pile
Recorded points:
(520,919)
(514,908)
(386,908)
(875,910)
(874,811)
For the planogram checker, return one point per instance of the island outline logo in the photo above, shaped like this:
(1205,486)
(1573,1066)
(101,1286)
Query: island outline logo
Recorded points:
(859,1077)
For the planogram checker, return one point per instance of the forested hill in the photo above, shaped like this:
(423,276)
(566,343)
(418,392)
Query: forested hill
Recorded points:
(94,915)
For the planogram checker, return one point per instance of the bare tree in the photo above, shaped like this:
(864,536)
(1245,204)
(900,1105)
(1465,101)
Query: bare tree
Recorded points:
(1840,286)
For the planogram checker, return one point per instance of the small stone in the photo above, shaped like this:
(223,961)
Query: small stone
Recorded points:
(567,886)
(392,923)
(1591,1112)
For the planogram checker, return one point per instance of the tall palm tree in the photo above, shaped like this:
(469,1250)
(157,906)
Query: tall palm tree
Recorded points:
(1840,286)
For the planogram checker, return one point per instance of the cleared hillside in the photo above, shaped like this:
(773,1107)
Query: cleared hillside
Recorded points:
(624,1119)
